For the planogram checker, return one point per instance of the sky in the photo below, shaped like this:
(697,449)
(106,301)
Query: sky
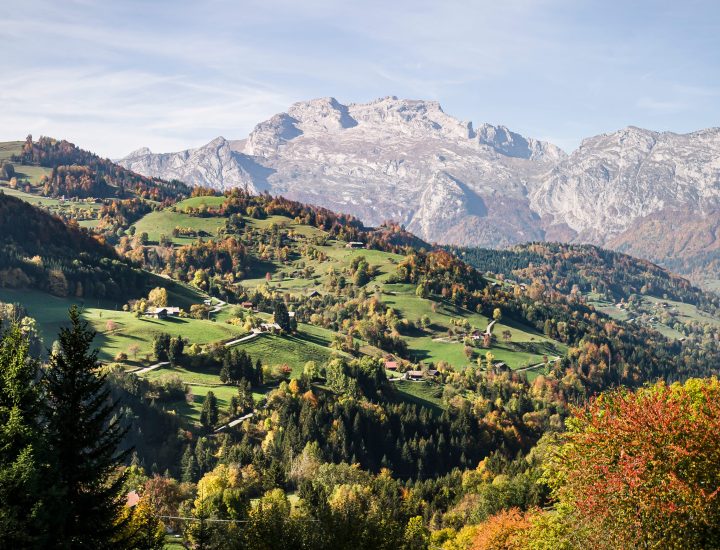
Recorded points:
(113,76)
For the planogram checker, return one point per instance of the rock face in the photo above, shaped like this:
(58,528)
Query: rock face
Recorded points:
(216,164)
(614,179)
(390,159)
(409,161)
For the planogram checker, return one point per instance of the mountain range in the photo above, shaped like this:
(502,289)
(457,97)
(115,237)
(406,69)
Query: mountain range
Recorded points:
(652,194)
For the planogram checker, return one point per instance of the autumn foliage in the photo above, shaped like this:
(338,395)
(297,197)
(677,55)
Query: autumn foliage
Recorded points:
(644,467)
(503,531)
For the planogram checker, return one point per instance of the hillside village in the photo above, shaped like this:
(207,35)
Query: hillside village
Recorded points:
(272,347)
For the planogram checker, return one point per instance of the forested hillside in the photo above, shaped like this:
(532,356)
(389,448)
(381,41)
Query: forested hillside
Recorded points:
(586,269)
(341,386)
(75,172)
(40,251)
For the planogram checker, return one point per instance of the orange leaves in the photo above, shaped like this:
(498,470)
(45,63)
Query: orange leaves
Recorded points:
(503,531)
(646,464)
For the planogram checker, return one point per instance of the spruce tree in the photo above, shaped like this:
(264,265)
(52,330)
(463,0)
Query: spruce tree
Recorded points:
(24,510)
(209,413)
(281,316)
(84,437)
(175,350)
(188,465)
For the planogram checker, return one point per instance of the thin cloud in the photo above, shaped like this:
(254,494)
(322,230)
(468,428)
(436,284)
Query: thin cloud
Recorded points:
(116,76)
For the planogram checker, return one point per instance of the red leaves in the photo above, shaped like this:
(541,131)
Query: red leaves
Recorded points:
(647,462)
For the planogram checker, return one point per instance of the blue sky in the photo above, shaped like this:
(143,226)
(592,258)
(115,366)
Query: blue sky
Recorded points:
(113,76)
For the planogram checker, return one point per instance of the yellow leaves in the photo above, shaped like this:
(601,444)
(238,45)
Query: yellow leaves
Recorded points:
(158,297)
(350,497)
(224,476)
(268,441)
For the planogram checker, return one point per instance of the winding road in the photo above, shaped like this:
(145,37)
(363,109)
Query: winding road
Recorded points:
(152,367)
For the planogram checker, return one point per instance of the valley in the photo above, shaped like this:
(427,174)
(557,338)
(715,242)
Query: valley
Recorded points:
(260,335)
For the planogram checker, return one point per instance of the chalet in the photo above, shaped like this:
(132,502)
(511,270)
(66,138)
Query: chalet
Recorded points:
(391,365)
(414,375)
(355,244)
(433,373)
(270,327)
(247,305)
(163,312)
(313,293)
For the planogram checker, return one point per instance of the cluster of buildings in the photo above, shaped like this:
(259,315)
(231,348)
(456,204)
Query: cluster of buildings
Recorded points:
(414,375)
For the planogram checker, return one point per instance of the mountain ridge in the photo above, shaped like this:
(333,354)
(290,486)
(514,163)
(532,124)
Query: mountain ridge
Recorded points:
(410,162)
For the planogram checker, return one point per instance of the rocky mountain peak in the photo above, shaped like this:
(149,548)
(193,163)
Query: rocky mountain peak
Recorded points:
(139,152)
(407,160)
(325,115)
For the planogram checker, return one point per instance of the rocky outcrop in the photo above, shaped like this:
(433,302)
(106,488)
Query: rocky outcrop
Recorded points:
(614,179)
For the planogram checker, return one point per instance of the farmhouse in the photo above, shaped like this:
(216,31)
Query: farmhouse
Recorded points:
(313,293)
(391,365)
(414,375)
(354,244)
(247,305)
(163,312)
(270,327)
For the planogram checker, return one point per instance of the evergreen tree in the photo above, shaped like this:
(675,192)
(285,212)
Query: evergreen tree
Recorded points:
(161,346)
(281,316)
(83,436)
(175,350)
(209,413)
(188,465)
(23,513)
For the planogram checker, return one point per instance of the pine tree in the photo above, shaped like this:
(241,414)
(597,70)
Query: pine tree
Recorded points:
(24,511)
(84,436)
(209,413)
(188,465)
(175,350)
(281,316)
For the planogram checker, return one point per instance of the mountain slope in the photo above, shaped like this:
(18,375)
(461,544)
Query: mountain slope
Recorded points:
(75,172)
(683,240)
(449,182)
(614,179)
(40,251)
(389,159)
